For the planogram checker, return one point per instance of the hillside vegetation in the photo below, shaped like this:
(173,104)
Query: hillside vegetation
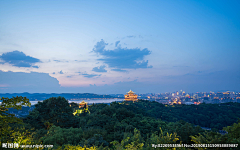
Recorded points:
(123,125)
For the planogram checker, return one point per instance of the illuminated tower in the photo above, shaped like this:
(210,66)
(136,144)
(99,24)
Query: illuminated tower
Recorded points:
(131,96)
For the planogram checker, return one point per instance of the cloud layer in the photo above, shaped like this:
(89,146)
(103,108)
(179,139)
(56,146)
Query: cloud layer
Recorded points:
(28,82)
(61,72)
(122,58)
(88,75)
(19,59)
(99,69)
(119,70)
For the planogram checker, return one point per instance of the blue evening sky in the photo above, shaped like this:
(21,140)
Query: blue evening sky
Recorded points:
(112,46)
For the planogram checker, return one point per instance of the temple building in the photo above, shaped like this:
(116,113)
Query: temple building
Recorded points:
(130,96)
(82,104)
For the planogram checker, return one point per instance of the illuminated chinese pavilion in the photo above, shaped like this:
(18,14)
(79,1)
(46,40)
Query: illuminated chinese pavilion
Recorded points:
(131,96)
(82,104)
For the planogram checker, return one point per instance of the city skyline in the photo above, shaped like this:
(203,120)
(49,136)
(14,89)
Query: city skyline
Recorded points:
(112,46)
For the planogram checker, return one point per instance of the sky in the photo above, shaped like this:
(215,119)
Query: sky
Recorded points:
(110,47)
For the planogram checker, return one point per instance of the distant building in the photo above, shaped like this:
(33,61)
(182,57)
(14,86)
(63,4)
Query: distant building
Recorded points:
(238,99)
(226,95)
(131,96)
(197,103)
(83,104)
(219,95)
(183,93)
(187,95)
(205,98)
(177,93)
(215,100)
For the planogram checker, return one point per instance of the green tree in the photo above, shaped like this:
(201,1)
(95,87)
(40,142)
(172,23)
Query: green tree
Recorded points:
(78,147)
(233,131)
(6,119)
(60,136)
(210,138)
(96,140)
(184,130)
(162,138)
(232,137)
(52,111)
(134,142)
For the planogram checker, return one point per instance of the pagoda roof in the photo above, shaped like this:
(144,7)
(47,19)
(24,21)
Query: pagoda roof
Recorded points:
(83,102)
(130,91)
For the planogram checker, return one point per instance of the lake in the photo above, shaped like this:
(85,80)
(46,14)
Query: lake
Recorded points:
(90,101)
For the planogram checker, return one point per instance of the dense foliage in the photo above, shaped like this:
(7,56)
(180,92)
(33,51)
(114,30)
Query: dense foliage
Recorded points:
(205,115)
(53,111)
(7,119)
(124,125)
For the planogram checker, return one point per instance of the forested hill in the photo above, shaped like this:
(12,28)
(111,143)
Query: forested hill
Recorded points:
(205,115)
(121,126)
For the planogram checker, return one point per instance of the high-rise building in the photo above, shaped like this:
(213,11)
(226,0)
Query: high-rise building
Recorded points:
(219,95)
(238,99)
(215,100)
(183,93)
(226,95)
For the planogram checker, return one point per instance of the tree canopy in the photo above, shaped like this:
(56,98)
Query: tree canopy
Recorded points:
(8,133)
(52,111)
(121,126)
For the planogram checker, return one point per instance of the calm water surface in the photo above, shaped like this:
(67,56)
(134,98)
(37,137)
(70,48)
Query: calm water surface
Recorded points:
(91,101)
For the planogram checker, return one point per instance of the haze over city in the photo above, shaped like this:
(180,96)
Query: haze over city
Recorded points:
(107,47)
